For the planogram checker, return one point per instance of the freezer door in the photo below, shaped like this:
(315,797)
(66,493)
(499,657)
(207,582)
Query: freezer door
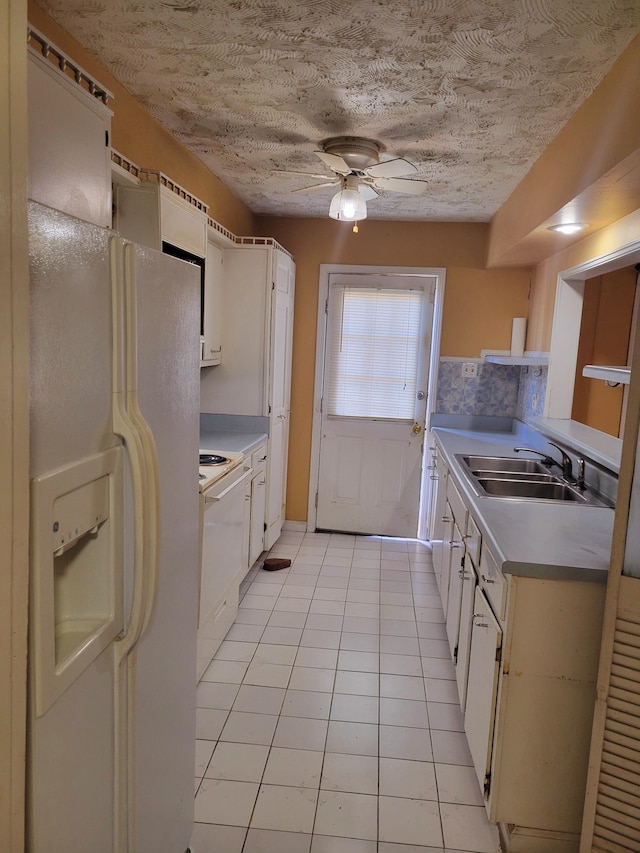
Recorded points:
(168,318)
(70,746)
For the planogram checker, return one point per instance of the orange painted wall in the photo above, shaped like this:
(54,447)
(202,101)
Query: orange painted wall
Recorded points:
(479,304)
(607,310)
(140,137)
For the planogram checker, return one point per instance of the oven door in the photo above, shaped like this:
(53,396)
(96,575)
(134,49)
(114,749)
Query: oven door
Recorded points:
(222,540)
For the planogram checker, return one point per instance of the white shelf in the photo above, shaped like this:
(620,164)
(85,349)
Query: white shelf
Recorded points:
(524,360)
(608,373)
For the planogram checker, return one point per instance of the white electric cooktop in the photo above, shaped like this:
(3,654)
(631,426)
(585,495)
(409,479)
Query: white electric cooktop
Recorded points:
(214,464)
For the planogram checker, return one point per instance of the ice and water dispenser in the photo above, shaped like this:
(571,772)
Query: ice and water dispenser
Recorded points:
(77,556)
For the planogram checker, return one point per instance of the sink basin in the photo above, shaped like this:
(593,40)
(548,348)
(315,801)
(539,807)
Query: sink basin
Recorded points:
(533,476)
(550,491)
(507,478)
(504,463)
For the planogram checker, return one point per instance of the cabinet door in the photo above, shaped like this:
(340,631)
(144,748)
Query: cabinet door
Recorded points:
(437,522)
(238,386)
(258,506)
(69,145)
(445,554)
(281,336)
(212,307)
(456,570)
(482,687)
(182,224)
(469,581)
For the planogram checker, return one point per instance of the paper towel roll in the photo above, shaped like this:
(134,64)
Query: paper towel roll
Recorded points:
(518,333)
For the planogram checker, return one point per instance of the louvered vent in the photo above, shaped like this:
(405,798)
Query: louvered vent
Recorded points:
(617,818)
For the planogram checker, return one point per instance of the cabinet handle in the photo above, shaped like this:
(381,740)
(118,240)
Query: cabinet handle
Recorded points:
(463,575)
(479,624)
(485,579)
(454,544)
(445,518)
(433,477)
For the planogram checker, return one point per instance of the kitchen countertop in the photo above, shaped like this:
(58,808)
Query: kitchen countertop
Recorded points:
(551,541)
(231,440)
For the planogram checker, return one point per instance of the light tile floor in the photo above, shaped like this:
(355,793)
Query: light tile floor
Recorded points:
(328,721)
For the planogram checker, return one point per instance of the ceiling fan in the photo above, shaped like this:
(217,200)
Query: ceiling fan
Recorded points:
(359,173)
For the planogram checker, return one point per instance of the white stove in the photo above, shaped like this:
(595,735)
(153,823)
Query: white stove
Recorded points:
(214,464)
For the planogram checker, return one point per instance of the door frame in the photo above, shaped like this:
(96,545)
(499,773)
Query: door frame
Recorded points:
(14,429)
(326,271)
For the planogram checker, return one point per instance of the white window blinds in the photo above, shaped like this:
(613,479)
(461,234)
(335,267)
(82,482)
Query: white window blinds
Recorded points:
(373,353)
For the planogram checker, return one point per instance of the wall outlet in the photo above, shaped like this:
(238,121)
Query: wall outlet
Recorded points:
(470,369)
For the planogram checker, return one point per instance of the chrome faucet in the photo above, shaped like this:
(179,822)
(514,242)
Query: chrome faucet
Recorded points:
(566,464)
(580,484)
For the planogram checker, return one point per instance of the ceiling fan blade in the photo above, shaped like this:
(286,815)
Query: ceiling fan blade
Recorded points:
(402,185)
(334,162)
(316,187)
(367,192)
(302,174)
(391,169)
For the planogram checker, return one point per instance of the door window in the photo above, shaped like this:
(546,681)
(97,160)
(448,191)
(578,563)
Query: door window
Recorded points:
(373,353)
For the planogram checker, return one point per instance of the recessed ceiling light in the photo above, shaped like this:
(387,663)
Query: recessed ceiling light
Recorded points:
(568,227)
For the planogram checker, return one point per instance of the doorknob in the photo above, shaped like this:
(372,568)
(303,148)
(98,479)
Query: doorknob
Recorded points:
(420,395)
(416,429)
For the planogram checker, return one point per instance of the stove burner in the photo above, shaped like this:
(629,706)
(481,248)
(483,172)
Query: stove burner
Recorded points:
(212,459)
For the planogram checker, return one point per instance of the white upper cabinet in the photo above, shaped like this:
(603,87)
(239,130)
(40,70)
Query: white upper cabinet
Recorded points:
(212,306)
(152,214)
(254,377)
(69,143)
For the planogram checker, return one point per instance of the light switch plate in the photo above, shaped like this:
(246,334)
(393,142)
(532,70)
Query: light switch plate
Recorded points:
(469,369)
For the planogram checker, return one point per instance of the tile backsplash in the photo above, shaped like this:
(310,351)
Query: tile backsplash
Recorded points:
(533,387)
(498,390)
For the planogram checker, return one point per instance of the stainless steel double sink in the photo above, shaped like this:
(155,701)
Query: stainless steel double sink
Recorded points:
(524,479)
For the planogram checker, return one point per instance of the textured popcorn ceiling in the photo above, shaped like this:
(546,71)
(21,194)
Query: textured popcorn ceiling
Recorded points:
(471,91)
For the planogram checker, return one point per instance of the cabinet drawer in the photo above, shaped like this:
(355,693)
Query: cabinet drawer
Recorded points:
(259,459)
(457,505)
(473,541)
(493,583)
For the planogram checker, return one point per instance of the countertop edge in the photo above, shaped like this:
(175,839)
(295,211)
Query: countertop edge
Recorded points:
(232,441)
(590,551)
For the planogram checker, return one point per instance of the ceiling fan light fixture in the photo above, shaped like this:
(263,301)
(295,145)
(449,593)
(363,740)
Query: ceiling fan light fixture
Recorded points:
(348,204)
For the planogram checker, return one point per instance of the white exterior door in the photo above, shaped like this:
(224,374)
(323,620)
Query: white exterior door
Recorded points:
(377,345)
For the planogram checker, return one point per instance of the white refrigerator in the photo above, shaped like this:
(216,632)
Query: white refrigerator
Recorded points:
(114,542)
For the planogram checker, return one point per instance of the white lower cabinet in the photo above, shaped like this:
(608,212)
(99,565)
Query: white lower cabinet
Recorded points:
(469,582)
(453,556)
(526,654)
(456,571)
(438,515)
(258,498)
(482,686)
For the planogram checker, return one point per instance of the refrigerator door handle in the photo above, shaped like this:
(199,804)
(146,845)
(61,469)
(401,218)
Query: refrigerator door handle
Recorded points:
(129,423)
(151,520)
